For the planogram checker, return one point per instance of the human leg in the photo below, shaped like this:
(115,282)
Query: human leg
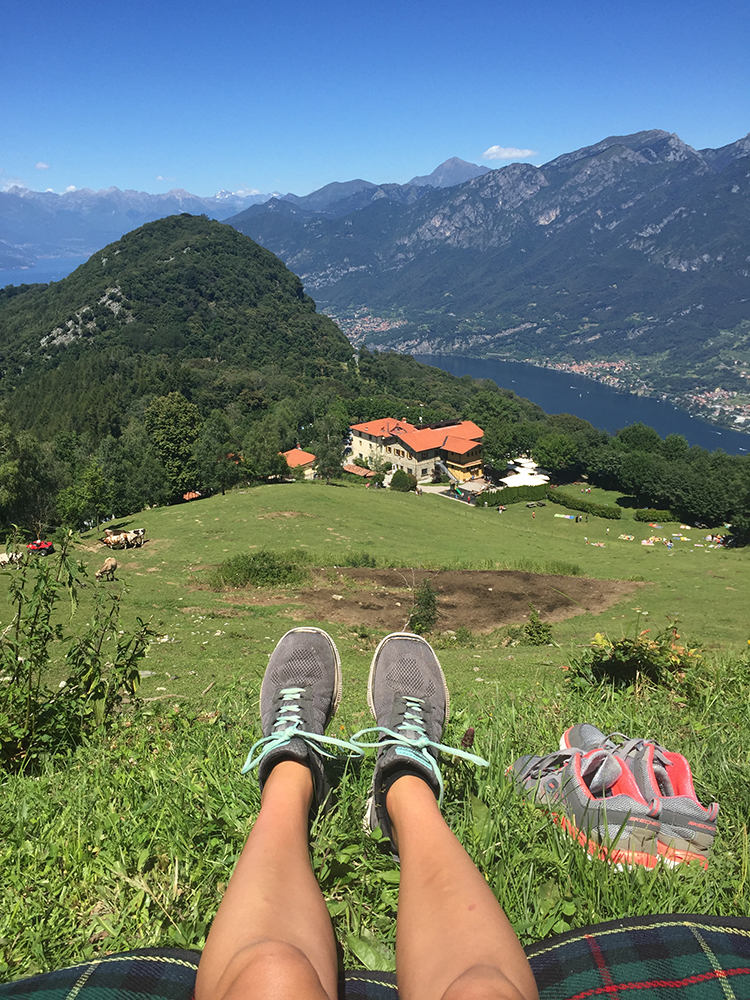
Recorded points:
(272,936)
(453,939)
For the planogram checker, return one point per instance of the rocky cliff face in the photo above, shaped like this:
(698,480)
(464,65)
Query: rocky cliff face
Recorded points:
(637,246)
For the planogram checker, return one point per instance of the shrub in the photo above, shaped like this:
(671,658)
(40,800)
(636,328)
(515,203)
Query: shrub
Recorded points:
(264,568)
(359,559)
(513,494)
(403,481)
(424,613)
(573,503)
(37,722)
(661,659)
(649,514)
(536,632)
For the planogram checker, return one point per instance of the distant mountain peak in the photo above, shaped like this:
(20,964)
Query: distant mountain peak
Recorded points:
(450,172)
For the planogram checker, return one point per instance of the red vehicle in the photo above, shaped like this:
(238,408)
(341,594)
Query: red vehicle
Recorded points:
(41,548)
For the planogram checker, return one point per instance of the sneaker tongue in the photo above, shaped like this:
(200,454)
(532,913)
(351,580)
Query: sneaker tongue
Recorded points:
(600,771)
(662,778)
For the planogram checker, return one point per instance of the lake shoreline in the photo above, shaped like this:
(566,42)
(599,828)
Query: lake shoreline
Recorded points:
(603,405)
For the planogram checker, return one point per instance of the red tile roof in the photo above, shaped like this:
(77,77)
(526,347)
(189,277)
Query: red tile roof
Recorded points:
(458,445)
(457,438)
(384,428)
(296,457)
(357,470)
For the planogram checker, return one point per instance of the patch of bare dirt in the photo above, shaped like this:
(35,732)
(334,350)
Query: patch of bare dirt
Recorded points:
(275,514)
(479,600)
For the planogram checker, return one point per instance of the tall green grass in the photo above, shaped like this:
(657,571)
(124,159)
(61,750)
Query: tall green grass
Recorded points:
(131,841)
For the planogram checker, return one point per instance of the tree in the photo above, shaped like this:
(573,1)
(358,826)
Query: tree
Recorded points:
(29,481)
(260,451)
(555,452)
(173,424)
(402,481)
(217,455)
(328,447)
(639,437)
(88,499)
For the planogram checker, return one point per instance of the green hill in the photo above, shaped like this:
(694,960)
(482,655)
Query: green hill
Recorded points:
(181,304)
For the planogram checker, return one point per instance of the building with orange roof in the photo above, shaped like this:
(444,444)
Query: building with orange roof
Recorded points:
(296,458)
(455,445)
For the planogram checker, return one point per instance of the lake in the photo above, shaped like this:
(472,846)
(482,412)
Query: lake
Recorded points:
(52,269)
(602,406)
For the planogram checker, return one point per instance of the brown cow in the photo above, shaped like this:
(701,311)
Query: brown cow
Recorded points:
(108,569)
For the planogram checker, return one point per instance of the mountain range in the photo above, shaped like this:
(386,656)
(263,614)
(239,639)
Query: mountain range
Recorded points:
(635,249)
(36,226)
(628,260)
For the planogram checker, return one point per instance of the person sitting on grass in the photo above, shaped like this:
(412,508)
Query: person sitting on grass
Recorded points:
(272,937)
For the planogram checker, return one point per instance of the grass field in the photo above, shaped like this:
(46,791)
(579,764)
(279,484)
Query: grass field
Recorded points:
(215,636)
(131,841)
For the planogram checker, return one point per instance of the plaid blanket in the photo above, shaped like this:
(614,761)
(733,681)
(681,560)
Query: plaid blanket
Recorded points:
(680,957)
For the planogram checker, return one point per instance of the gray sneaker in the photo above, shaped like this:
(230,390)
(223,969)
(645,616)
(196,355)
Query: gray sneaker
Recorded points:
(409,699)
(300,693)
(687,828)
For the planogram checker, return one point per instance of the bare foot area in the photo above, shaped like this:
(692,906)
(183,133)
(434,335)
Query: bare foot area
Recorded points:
(479,600)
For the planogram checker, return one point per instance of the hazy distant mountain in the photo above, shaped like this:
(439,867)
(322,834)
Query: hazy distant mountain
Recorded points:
(635,246)
(452,172)
(42,224)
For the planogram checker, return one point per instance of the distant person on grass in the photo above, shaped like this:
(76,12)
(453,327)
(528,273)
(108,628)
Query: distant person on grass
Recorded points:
(272,936)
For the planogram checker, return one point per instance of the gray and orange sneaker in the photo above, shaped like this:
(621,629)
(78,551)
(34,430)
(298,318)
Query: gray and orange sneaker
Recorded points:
(409,698)
(687,828)
(593,797)
(300,693)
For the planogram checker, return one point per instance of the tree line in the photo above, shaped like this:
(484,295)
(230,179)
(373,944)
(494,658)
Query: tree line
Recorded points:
(165,445)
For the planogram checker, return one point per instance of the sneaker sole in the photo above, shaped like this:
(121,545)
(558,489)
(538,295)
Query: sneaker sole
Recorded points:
(371,677)
(338,679)
(623,853)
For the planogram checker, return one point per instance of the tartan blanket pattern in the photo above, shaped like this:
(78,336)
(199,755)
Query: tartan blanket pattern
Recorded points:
(680,957)
(669,957)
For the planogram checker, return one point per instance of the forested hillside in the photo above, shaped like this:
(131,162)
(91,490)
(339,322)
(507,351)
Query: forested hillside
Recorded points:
(183,356)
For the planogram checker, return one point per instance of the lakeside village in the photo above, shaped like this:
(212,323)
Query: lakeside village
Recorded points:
(721,406)
(444,458)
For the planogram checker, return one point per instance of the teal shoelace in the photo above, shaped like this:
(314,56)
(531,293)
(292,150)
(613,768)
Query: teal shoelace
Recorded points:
(421,744)
(288,717)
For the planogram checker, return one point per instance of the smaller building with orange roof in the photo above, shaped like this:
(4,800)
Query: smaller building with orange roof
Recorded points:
(296,458)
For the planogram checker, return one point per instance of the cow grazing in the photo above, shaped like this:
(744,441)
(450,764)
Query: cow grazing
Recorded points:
(124,539)
(119,541)
(10,558)
(107,572)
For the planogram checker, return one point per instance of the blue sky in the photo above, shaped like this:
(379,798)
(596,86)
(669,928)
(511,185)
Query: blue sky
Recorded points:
(290,95)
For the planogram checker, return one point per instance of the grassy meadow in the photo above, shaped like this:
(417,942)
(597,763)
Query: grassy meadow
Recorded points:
(131,841)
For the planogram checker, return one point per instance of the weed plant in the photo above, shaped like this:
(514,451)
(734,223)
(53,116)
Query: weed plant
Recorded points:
(130,841)
(37,721)
(266,568)
(661,658)
(360,560)
(424,613)
(536,632)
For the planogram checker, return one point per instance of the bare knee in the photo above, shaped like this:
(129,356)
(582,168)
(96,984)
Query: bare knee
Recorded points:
(268,969)
(486,982)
